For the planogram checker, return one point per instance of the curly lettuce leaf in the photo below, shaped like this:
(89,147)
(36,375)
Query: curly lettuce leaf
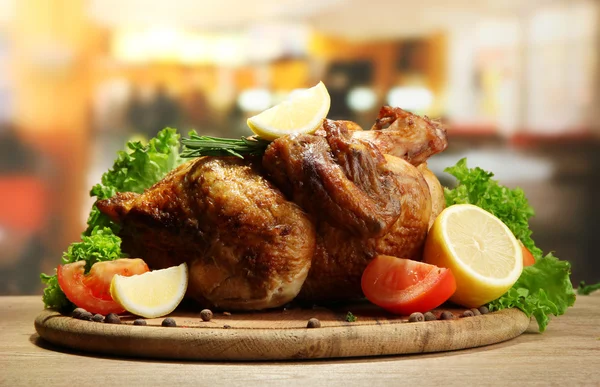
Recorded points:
(100,245)
(134,170)
(53,296)
(141,166)
(544,288)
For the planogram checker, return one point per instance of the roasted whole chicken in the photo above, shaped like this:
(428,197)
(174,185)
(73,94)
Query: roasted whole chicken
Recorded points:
(302,222)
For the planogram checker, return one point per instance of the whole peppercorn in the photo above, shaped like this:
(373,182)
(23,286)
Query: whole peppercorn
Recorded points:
(446,315)
(313,323)
(429,316)
(206,314)
(139,321)
(483,309)
(467,313)
(226,326)
(475,312)
(85,315)
(112,318)
(98,317)
(169,322)
(77,312)
(416,317)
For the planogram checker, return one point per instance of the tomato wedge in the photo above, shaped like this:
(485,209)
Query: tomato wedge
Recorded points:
(528,258)
(92,291)
(403,286)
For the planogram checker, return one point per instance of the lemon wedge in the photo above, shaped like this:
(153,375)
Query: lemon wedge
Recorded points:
(303,112)
(483,254)
(152,294)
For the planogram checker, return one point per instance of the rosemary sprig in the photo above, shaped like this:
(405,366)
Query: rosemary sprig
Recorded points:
(197,146)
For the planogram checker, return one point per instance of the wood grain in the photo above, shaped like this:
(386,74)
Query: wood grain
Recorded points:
(567,353)
(281,334)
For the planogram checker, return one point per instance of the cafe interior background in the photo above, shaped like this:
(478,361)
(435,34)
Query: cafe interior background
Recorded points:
(517,84)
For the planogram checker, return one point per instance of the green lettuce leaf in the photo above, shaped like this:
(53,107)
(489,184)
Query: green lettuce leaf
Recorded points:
(544,288)
(53,296)
(134,170)
(141,166)
(585,289)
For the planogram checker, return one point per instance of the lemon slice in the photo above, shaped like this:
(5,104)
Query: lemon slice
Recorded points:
(303,112)
(483,254)
(152,294)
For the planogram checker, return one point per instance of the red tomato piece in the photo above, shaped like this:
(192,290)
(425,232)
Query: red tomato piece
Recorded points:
(100,276)
(403,286)
(528,258)
(92,291)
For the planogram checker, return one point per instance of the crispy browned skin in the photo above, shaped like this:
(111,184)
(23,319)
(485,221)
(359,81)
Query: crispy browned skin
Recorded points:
(407,236)
(247,247)
(342,180)
(316,171)
(341,258)
(400,133)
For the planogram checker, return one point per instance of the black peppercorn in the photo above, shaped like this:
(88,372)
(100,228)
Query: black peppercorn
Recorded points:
(139,321)
(77,312)
(112,318)
(467,313)
(483,309)
(98,317)
(446,315)
(206,314)
(226,326)
(85,315)
(313,323)
(416,317)
(429,316)
(169,322)
(475,312)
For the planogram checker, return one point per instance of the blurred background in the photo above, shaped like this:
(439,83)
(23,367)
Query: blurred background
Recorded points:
(516,82)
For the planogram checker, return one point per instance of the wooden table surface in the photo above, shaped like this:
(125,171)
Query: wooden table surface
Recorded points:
(568,353)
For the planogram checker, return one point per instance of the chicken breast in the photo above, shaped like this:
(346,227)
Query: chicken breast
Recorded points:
(246,246)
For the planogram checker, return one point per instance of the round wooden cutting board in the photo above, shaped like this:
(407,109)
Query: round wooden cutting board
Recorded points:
(281,334)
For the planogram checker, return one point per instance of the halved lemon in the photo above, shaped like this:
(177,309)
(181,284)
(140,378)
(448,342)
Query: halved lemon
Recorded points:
(483,254)
(152,294)
(303,112)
